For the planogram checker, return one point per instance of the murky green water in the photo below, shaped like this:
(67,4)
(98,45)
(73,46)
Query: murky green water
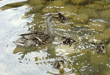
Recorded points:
(21,16)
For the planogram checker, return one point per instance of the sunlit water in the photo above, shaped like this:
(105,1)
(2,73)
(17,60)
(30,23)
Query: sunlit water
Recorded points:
(12,25)
(4,2)
(30,61)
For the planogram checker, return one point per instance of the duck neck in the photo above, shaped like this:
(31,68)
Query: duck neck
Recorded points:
(49,29)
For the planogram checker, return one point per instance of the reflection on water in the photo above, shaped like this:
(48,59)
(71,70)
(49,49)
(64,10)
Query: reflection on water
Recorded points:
(21,16)
(5,2)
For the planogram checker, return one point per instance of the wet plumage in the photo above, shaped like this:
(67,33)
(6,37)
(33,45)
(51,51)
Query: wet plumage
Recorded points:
(36,38)
(59,64)
(68,41)
(100,49)
(61,18)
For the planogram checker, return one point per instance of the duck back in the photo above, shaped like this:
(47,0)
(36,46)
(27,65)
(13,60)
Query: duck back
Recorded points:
(35,38)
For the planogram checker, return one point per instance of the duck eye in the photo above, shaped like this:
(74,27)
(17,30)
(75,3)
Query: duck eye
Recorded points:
(103,47)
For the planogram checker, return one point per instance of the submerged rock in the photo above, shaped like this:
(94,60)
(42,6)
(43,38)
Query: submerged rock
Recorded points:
(49,9)
(78,1)
(36,8)
(107,73)
(58,3)
(80,25)
(81,18)
(105,14)
(107,7)
(69,11)
(99,59)
(92,52)
(35,2)
(98,38)
(96,26)
(107,31)
(91,12)
(62,26)
(95,6)
(108,49)
(102,2)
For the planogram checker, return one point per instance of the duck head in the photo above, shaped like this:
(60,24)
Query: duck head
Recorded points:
(59,64)
(100,48)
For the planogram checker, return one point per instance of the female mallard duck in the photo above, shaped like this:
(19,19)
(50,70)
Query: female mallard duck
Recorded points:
(37,38)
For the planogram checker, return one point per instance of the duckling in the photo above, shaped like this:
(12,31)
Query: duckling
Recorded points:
(62,18)
(59,64)
(36,38)
(100,48)
(68,41)
(67,47)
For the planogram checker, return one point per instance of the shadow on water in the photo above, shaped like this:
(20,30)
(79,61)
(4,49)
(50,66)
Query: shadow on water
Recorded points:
(23,51)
